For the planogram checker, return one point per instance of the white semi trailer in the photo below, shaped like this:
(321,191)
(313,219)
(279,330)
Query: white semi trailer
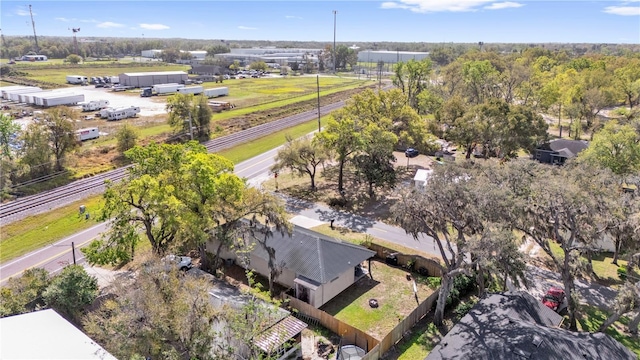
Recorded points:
(195,90)
(30,98)
(11,89)
(59,99)
(95,105)
(161,89)
(215,92)
(76,79)
(87,134)
(14,95)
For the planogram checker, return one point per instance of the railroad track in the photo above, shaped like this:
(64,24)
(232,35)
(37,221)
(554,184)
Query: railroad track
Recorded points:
(51,199)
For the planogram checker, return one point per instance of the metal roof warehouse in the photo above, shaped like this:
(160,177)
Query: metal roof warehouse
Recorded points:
(145,79)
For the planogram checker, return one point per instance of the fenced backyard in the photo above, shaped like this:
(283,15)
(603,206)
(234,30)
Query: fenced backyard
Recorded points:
(376,341)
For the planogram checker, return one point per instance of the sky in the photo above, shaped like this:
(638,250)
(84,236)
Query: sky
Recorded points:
(432,21)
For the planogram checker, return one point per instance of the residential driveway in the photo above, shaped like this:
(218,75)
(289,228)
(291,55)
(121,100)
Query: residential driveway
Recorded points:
(540,279)
(308,211)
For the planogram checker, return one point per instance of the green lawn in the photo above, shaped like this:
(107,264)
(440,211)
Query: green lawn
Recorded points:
(256,147)
(31,233)
(394,294)
(594,317)
(58,75)
(602,266)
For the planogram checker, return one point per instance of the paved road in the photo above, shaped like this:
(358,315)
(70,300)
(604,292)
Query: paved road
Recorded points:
(55,257)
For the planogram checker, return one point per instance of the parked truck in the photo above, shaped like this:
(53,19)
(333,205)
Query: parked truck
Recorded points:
(95,105)
(160,89)
(77,79)
(87,134)
(122,113)
(215,92)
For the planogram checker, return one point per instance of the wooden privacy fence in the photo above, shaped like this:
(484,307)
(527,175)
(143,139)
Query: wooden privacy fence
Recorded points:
(349,334)
(432,266)
(405,325)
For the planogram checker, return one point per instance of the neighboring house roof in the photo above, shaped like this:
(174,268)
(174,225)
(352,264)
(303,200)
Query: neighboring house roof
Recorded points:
(565,147)
(273,337)
(46,335)
(283,325)
(315,256)
(512,326)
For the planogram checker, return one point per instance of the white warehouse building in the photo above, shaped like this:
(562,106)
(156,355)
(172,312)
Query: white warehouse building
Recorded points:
(281,56)
(155,53)
(145,79)
(374,56)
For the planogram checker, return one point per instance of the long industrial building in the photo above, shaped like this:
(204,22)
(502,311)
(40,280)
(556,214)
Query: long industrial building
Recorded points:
(393,57)
(146,79)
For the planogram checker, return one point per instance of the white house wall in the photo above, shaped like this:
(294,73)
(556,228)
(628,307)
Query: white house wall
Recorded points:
(261,266)
(328,291)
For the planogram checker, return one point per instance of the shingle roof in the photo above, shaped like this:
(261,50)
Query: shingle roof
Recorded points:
(313,255)
(510,326)
(566,147)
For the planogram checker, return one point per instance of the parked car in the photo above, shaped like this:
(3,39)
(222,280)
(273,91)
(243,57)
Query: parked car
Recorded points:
(411,152)
(181,262)
(556,300)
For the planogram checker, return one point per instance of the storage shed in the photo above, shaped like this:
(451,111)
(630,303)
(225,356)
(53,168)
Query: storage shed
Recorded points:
(147,79)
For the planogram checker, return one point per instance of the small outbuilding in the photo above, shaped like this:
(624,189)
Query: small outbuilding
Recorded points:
(421,178)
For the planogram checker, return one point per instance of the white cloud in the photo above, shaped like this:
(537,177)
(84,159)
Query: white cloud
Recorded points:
(154,26)
(503,5)
(292,17)
(623,10)
(23,12)
(62,19)
(86,21)
(109,24)
(246,28)
(430,6)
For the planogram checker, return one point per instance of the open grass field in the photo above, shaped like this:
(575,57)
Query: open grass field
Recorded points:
(58,75)
(36,231)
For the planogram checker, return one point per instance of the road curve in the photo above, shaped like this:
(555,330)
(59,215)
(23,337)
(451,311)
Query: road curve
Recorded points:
(79,189)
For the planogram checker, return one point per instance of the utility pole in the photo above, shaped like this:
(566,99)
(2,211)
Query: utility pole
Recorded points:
(73,252)
(335,12)
(318,83)
(35,37)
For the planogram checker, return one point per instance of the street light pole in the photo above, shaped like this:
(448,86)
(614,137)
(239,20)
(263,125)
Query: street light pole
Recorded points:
(318,83)
(335,12)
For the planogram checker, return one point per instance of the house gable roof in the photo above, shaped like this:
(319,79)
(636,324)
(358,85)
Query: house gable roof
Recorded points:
(511,326)
(565,147)
(313,255)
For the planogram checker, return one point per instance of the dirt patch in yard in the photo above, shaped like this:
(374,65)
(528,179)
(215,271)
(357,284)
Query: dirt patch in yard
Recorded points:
(356,194)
